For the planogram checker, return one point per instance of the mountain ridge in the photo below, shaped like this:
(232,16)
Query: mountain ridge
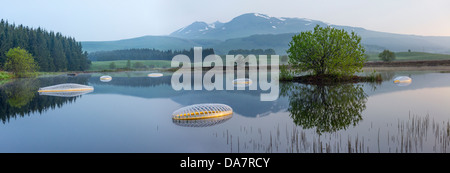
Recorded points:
(260,31)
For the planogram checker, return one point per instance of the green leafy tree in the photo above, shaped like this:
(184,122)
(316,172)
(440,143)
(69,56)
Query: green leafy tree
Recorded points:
(327,51)
(285,73)
(112,65)
(387,56)
(139,65)
(20,62)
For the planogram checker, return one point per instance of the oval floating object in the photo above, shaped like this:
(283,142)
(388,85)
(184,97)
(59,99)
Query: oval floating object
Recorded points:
(68,87)
(105,78)
(65,94)
(402,80)
(207,122)
(242,82)
(202,111)
(155,75)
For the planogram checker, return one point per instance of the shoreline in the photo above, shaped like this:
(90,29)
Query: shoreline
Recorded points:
(408,68)
(416,65)
(412,65)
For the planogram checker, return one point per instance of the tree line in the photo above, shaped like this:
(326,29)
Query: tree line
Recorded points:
(144,54)
(246,52)
(52,51)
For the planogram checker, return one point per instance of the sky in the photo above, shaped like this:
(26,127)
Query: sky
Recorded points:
(105,20)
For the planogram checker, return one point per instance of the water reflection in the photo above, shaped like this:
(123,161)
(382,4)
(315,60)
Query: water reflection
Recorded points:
(202,122)
(20,92)
(245,102)
(65,94)
(139,109)
(328,108)
(20,97)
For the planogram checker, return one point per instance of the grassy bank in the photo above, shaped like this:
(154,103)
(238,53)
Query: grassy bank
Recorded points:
(105,65)
(327,79)
(412,56)
(5,75)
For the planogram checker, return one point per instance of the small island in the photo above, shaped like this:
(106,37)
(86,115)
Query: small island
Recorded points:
(330,55)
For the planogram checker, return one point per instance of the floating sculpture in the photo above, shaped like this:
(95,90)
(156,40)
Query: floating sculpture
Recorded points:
(202,111)
(155,75)
(402,80)
(105,78)
(242,82)
(65,94)
(66,90)
(68,87)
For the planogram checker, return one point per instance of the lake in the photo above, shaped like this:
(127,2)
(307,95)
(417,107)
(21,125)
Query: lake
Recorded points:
(133,113)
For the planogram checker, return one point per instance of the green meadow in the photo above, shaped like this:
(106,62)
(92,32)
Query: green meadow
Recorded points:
(411,56)
(144,64)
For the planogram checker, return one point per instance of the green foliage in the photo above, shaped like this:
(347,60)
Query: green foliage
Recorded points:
(139,65)
(20,63)
(387,56)
(5,75)
(144,54)
(52,51)
(285,73)
(327,108)
(374,77)
(407,56)
(19,97)
(104,65)
(20,93)
(112,65)
(327,51)
(129,64)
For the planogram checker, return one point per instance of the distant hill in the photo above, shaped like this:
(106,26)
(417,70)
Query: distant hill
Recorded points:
(157,42)
(259,31)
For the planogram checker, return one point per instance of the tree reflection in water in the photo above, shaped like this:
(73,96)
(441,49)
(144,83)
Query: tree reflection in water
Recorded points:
(328,108)
(20,97)
(21,92)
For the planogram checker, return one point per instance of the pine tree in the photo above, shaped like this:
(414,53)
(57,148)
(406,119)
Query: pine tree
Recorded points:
(52,51)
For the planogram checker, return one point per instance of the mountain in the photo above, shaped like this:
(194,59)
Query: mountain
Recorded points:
(245,25)
(260,31)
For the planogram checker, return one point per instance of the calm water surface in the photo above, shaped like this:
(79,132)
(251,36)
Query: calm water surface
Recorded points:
(132,113)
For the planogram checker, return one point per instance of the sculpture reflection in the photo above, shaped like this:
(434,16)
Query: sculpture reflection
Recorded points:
(19,98)
(202,122)
(327,108)
(65,94)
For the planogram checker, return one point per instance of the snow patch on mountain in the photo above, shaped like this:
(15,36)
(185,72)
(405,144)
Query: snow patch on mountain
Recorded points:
(262,15)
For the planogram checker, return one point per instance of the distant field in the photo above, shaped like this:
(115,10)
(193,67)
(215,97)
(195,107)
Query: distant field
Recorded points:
(412,56)
(400,56)
(104,65)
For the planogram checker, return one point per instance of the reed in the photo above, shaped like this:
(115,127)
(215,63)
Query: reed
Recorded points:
(412,135)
